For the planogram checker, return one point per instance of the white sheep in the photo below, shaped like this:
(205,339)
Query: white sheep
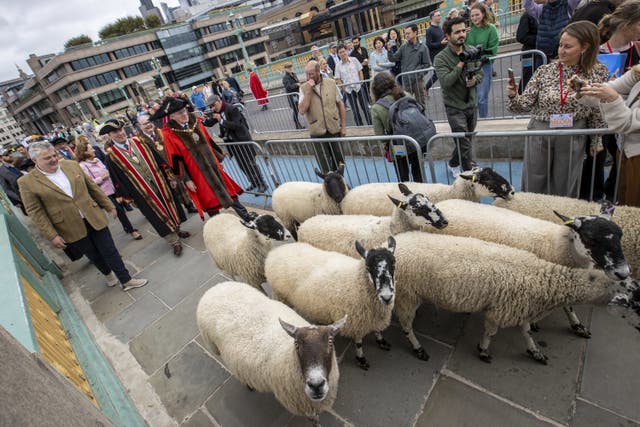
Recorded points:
(510,286)
(583,242)
(339,233)
(240,247)
(542,206)
(371,199)
(323,286)
(295,202)
(252,334)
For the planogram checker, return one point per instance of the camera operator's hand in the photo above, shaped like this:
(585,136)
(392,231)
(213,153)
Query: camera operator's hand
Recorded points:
(512,89)
(217,116)
(460,65)
(471,82)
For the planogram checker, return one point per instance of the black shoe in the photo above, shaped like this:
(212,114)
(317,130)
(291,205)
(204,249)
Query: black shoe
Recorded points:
(251,187)
(177,249)
(183,234)
(192,209)
(299,126)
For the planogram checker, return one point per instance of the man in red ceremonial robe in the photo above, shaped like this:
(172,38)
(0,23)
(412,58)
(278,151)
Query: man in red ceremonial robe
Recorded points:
(137,173)
(188,145)
(258,91)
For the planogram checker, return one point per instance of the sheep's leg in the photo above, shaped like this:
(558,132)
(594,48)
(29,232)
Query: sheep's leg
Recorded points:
(534,327)
(315,420)
(490,329)
(576,325)
(382,343)
(532,348)
(250,388)
(360,359)
(405,310)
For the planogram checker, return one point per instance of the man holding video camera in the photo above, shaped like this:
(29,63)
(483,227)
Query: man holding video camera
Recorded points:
(458,68)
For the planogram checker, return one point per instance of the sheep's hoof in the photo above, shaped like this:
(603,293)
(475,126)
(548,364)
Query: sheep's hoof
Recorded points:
(362,363)
(383,344)
(534,327)
(538,356)
(250,388)
(581,330)
(484,355)
(421,354)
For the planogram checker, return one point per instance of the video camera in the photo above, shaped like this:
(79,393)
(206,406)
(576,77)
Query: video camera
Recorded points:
(474,58)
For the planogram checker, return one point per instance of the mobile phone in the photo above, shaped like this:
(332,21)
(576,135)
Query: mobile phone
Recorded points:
(512,76)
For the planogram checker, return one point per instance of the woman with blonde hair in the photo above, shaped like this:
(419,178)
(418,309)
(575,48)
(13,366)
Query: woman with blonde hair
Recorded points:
(553,164)
(483,33)
(97,171)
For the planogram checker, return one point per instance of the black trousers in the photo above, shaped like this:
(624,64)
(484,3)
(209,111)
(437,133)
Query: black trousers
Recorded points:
(601,188)
(99,247)
(359,107)
(122,215)
(328,154)
(294,106)
(404,164)
(246,157)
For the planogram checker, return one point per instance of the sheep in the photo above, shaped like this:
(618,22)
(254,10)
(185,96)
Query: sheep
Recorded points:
(371,199)
(339,233)
(240,247)
(294,202)
(542,205)
(251,334)
(510,286)
(322,286)
(583,242)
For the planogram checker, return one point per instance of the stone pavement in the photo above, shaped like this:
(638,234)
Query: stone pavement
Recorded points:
(151,338)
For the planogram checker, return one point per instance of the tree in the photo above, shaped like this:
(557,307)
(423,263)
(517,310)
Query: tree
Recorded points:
(77,40)
(126,25)
(152,21)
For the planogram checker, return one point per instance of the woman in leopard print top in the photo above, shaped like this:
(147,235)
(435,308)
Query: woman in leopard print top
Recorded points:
(547,95)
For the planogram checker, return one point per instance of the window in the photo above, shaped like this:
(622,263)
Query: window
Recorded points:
(226,41)
(178,39)
(215,28)
(135,69)
(183,55)
(249,19)
(90,61)
(99,80)
(109,98)
(248,35)
(155,44)
(188,71)
(130,51)
(229,57)
(255,49)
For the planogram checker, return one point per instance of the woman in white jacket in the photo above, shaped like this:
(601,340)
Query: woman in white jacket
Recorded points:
(619,102)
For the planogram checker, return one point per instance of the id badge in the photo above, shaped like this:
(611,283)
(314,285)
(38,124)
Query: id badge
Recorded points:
(561,121)
(399,151)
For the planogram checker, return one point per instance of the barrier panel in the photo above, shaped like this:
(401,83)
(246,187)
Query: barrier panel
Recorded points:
(506,152)
(279,116)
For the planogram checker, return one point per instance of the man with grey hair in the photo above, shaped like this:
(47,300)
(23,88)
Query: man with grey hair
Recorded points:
(66,206)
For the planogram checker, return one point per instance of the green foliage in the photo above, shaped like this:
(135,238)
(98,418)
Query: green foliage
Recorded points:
(126,25)
(78,40)
(152,21)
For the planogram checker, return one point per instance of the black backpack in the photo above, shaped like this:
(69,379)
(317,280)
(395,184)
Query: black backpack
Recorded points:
(407,117)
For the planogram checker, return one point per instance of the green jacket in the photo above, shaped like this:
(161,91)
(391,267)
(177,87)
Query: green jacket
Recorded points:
(453,80)
(487,37)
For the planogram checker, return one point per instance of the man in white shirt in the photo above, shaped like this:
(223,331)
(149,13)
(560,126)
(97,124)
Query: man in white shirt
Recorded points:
(349,75)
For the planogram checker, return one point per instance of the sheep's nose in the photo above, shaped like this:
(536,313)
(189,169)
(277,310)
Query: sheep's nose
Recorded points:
(444,223)
(316,384)
(386,298)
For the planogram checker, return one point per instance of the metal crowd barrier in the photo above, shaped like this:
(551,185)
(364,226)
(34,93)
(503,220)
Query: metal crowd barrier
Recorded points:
(505,152)
(277,117)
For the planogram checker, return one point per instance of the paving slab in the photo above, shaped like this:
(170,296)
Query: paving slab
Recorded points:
(440,324)
(326,420)
(156,251)
(611,378)
(234,405)
(131,321)
(165,337)
(394,388)
(588,415)
(111,303)
(453,403)
(187,381)
(199,419)
(549,390)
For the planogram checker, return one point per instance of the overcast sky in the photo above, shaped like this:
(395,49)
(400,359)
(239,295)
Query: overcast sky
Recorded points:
(43,26)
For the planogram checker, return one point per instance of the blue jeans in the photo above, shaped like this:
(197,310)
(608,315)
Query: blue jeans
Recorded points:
(483,90)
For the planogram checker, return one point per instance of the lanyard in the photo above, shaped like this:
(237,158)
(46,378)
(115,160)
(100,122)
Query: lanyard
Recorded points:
(564,95)
(630,54)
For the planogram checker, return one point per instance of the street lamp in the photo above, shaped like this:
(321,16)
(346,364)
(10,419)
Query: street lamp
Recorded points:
(118,83)
(96,99)
(236,24)
(155,63)
(79,108)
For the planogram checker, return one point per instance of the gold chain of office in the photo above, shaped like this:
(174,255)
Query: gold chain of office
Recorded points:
(191,131)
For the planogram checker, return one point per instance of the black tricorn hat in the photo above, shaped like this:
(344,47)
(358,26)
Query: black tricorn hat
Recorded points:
(110,125)
(58,140)
(169,106)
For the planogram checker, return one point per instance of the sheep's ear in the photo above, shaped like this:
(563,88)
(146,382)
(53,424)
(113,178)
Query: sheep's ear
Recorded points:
(391,244)
(573,223)
(290,329)
(320,174)
(404,189)
(361,250)
(471,175)
(341,169)
(337,326)
(397,203)
(248,224)
(606,210)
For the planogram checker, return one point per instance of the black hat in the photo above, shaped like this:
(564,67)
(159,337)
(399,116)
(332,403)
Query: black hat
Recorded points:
(110,125)
(58,140)
(169,106)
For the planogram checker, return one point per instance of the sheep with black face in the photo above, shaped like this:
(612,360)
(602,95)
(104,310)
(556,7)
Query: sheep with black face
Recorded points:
(295,202)
(339,233)
(324,286)
(253,336)
(371,199)
(240,247)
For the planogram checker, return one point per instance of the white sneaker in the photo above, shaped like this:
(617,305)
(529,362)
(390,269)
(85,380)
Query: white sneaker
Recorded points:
(455,170)
(112,280)
(134,283)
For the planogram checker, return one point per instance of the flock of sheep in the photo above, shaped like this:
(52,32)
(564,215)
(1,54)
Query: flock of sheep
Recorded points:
(383,249)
